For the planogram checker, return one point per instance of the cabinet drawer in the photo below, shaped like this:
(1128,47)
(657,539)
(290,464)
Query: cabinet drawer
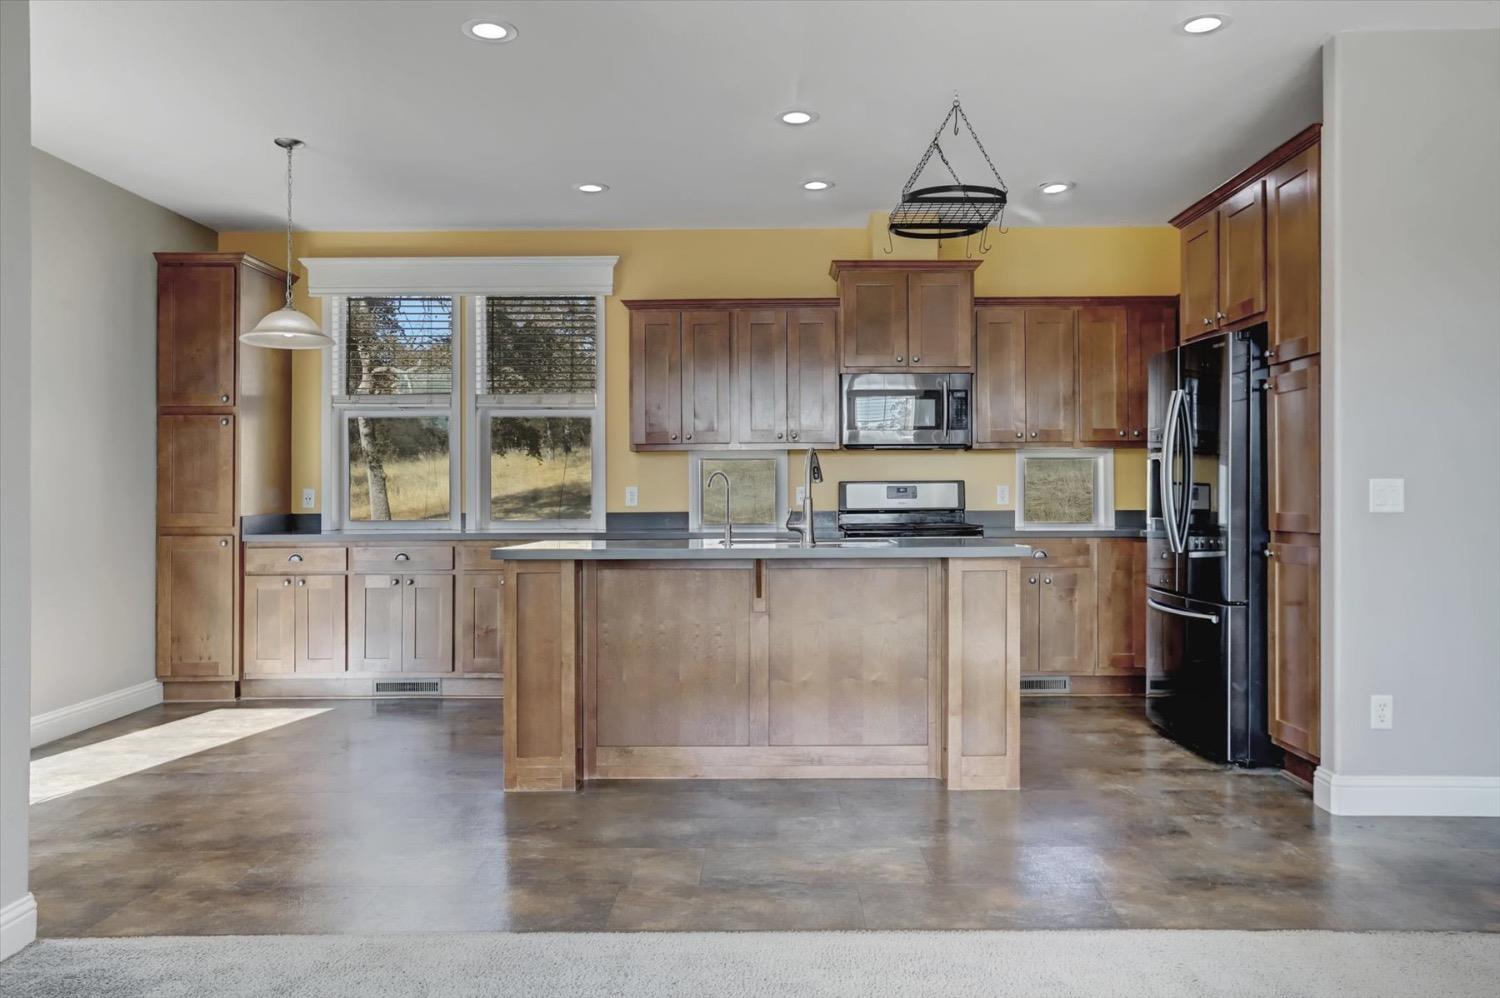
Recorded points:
(475,557)
(294,560)
(1061,552)
(404,558)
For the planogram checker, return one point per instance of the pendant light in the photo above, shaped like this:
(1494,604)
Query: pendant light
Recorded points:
(286,328)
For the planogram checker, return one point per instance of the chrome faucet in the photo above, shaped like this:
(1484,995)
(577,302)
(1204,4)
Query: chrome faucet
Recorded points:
(812,471)
(728,517)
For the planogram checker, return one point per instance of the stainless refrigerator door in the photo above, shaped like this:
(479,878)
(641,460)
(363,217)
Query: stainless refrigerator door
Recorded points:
(1191,648)
(1161,381)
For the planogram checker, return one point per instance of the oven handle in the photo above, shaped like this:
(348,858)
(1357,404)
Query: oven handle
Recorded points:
(1212,618)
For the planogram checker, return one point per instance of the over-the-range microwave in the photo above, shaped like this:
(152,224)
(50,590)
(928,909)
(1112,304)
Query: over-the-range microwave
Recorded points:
(906,410)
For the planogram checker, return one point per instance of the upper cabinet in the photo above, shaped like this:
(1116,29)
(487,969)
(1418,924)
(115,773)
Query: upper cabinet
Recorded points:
(1051,351)
(1200,276)
(195,335)
(907,314)
(1293,251)
(743,374)
(1103,375)
(1149,329)
(1242,255)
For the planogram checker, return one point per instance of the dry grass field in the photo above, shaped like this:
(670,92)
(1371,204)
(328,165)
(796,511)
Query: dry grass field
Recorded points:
(521,487)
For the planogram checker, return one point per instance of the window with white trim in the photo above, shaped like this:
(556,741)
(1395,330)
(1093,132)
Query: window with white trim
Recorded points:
(539,412)
(1069,489)
(394,410)
(757,490)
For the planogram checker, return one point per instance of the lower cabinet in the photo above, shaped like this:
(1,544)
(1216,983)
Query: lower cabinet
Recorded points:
(401,623)
(294,624)
(1083,609)
(1121,568)
(1057,621)
(480,622)
(1292,608)
(195,621)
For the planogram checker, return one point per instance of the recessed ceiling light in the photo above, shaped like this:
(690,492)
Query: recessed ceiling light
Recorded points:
(484,30)
(591,188)
(816,185)
(1204,23)
(798,116)
(1056,186)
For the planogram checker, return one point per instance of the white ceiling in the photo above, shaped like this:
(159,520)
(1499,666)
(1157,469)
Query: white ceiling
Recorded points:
(410,125)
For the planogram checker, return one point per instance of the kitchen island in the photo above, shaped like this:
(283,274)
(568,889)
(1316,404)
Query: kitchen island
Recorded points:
(761,659)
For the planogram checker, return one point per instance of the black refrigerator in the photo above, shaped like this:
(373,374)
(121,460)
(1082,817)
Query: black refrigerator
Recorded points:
(1205,548)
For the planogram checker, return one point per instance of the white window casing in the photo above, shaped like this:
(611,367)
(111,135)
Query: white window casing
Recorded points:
(695,490)
(1103,460)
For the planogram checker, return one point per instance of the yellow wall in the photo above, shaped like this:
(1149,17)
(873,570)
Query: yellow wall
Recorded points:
(749,263)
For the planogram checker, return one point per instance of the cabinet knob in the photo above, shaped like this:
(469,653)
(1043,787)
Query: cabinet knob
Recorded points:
(915,359)
(1048,580)
(674,436)
(224,399)
(1122,433)
(294,557)
(898,358)
(1020,435)
(687,436)
(1271,354)
(1220,316)
(411,582)
(395,581)
(286,582)
(1033,434)
(301,582)
(1208,322)
(1269,553)
(794,434)
(1135,433)
(223,542)
(1165,555)
(224,421)
(402,556)
(778,436)
(1031,581)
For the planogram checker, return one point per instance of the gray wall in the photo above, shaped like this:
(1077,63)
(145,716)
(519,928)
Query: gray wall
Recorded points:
(93,465)
(1411,376)
(15,488)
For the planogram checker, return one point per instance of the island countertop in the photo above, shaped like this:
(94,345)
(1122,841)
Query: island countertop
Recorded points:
(714,548)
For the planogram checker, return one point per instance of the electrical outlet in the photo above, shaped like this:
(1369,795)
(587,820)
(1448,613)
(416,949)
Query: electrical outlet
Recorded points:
(309,498)
(632,495)
(1002,495)
(801,494)
(1382,710)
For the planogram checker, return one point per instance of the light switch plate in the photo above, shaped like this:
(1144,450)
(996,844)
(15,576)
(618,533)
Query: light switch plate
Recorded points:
(309,498)
(1002,495)
(632,495)
(1387,495)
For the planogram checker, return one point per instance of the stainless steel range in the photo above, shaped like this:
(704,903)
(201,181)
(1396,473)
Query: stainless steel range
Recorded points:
(904,509)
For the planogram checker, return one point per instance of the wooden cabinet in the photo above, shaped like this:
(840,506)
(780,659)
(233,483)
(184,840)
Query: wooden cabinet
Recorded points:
(760,356)
(1050,358)
(194,471)
(1292,598)
(1242,255)
(1104,374)
(195,604)
(812,380)
(1000,377)
(294,624)
(897,315)
(707,367)
(1200,276)
(479,625)
(1121,605)
(1150,329)
(1058,607)
(1293,443)
(401,623)
(655,378)
(1293,256)
(195,335)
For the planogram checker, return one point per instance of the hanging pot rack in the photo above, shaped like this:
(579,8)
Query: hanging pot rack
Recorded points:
(947,211)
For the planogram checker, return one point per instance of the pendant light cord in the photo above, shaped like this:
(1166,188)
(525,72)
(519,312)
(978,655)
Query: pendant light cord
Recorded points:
(289,149)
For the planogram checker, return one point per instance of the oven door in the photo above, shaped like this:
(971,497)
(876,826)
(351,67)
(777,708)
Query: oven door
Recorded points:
(896,410)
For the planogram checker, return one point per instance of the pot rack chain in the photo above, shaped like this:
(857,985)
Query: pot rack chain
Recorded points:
(957,110)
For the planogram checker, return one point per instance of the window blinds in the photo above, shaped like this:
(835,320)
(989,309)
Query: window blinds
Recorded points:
(396,345)
(540,346)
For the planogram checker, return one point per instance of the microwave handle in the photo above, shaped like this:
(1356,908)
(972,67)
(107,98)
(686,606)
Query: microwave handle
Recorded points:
(947,401)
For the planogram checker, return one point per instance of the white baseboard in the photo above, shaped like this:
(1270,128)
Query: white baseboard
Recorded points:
(1407,796)
(17,926)
(64,721)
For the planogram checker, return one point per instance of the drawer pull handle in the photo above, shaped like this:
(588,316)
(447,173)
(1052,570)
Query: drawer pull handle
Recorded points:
(403,556)
(294,557)
(1039,553)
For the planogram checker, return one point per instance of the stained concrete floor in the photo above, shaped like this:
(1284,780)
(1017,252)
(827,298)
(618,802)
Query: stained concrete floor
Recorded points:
(388,817)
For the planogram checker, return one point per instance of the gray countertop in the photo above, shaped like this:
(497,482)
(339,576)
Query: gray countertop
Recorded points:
(439,536)
(704,548)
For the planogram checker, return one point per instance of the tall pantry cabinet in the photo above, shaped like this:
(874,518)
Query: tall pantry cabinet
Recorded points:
(223,454)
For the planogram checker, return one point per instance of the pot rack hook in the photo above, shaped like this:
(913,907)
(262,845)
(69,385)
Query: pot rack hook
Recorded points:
(890,244)
(984,241)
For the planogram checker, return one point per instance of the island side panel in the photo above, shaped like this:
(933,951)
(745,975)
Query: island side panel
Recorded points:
(982,742)
(540,742)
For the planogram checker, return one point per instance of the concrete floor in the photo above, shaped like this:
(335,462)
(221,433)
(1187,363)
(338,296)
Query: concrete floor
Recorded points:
(388,817)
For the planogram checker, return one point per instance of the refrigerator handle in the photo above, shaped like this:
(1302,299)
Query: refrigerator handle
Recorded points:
(1212,618)
(1168,458)
(1190,446)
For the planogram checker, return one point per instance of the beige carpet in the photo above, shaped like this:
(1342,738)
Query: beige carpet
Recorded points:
(1120,964)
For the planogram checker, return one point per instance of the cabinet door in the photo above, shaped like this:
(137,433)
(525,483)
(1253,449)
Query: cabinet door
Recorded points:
(1103,375)
(707,394)
(375,623)
(480,626)
(655,378)
(760,360)
(1031,613)
(1000,376)
(1294,256)
(1149,329)
(1292,643)
(195,335)
(1242,255)
(1066,621)
(1200,276)
(194,472)
(1051,350)
(940,319)
(1121,606)
(1292,434)
(873,318)
(427,623)
(320,606)
(812,380)
(270,625)
(195,586)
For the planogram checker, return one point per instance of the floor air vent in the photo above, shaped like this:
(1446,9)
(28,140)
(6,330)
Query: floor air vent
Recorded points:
(399,688)
(1046,684)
